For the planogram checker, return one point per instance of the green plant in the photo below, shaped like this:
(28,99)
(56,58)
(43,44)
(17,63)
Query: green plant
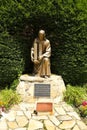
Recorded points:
(75,95)
(8,97)
(83,109)
(14,84)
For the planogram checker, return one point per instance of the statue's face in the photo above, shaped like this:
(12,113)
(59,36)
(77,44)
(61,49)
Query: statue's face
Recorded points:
(41,36)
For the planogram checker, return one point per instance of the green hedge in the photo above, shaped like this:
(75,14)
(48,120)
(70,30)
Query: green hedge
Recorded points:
(11,60)
(65,25)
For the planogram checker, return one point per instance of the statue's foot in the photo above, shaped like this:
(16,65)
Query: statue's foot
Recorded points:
(45,76)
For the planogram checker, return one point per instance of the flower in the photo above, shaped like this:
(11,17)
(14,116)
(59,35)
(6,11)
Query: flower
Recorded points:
(84,103)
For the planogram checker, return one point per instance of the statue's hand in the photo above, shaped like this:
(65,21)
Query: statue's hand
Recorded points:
(36,61)
(41,57)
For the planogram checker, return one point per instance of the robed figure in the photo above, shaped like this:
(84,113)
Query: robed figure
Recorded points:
(40,55)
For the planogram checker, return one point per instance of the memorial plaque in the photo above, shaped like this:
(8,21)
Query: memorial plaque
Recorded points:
(42,90)
(44,107)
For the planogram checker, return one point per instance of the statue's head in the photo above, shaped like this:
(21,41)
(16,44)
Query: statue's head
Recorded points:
(41,34)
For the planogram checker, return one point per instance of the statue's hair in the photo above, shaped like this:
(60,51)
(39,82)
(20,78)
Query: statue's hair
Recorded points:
(42,32)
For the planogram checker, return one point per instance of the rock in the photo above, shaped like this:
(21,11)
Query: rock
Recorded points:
(49,125)
(35,125)
(81,125)
(54,120)
(67,107)
(21,129)
(76,128)
(26,86)
(74,115)
(12,125)
(21,121)
(20,113)
(57,128)
(60,110)
(67,124)
(11,115)
(64,117)
(27,114)
(3,125)
(40,117)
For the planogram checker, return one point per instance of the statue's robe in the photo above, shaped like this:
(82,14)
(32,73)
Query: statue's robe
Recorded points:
(42,68)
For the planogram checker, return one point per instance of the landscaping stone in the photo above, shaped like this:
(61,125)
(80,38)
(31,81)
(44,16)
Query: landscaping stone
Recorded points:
(20,113)
(35,125)
(12,125)
(64,117)
(49,125)
(21,121)
(40,117)
(67,124)
(74,115)
(54,120)
(3,125)
(11,115)
(21,129)
(60,110)
(81,125)
(76,127)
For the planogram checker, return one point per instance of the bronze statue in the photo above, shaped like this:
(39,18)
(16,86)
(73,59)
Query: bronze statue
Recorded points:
(40,55)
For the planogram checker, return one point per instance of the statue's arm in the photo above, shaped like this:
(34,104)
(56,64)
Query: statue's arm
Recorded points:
(32,54)
(48,50)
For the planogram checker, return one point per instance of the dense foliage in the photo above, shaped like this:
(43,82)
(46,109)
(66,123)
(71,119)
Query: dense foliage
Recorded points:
(65,25)
(8,98)
(77,97)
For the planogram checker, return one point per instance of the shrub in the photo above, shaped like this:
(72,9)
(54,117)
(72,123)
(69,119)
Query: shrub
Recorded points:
(11,60)
(75,95)
(8,97)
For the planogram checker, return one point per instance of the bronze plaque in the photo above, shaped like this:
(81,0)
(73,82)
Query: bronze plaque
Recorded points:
(42,90)
(44,107)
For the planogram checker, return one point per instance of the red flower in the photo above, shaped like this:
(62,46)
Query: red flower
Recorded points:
(84,103)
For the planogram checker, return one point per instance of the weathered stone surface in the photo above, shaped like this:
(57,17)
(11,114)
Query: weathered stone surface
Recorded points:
(11,115)
(54,120)
(21,129)
(67,124)
(3,125)
(27,114)
(81,125)
(60,110)
(64,117)
(27,106)
(31,78)
(49,125)
(21,121)
(34,125)
(74,115)
(26,86)
(40,117)
(20,113)
(57,128)
(76,127)
(67,107)
(12,124)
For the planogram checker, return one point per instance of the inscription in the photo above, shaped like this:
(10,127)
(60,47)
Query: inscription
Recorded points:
(42,90)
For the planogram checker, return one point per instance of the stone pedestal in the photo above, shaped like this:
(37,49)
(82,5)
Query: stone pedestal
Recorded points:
(26,88)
